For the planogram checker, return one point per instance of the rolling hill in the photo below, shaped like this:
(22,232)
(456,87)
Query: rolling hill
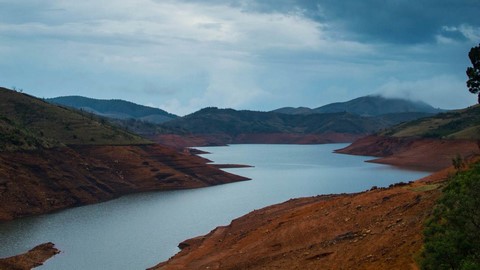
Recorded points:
(367,106)
(115,108)
(223,126)
(29,123)
(53,157)
(233,122)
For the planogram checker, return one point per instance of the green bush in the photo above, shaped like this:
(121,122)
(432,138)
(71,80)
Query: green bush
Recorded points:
(452,234)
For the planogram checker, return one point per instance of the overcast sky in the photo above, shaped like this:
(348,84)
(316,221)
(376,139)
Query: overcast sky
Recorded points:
(183,55)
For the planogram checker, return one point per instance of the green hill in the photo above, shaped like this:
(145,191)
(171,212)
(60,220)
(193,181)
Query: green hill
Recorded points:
(232,122)
(27,122)
(115,108)
(460,124)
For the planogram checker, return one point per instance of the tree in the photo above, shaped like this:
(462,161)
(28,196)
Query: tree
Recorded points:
(473,73)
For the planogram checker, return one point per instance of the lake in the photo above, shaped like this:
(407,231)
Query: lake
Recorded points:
(141,230)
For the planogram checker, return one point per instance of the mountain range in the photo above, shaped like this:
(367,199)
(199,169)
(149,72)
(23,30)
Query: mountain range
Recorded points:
(336,122)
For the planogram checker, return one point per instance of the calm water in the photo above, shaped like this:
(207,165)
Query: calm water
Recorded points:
(138,231)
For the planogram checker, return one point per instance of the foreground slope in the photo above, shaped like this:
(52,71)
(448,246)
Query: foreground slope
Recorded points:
(52,158)
(377,229)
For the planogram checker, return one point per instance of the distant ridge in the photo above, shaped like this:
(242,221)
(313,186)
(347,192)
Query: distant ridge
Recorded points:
(235,124)
(115,108)
(374,105)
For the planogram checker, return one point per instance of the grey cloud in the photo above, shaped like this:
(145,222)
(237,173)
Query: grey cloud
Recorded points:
(401,22)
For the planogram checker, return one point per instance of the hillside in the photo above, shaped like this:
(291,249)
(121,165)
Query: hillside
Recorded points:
(429,143)
(376,229)
(367,106)
(223,126)
(53,157)
(461,124)
(115,108)
(27,123)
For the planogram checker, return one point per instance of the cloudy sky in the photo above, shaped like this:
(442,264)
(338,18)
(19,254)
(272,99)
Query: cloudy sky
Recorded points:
(182,55)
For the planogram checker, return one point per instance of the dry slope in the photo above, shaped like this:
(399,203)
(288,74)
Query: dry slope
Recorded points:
(377,229)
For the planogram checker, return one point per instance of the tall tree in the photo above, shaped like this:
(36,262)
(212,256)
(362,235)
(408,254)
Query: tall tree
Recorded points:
(473,73)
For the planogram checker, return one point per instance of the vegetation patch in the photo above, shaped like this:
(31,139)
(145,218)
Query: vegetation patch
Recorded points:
(452,233)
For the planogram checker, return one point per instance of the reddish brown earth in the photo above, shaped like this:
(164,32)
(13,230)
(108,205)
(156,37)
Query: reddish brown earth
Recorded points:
(33,258)
(426,154)
(38,182)
(377,229)
(180,141)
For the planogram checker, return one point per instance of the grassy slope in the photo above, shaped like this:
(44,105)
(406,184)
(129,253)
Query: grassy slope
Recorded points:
(460,124)
(28,123)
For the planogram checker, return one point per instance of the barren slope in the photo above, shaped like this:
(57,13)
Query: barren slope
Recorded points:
(377,229)
(412,152)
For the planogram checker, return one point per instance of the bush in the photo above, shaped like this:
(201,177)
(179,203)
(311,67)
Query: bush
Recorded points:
(452,234)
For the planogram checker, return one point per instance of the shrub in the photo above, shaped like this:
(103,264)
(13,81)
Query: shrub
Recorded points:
(452,234)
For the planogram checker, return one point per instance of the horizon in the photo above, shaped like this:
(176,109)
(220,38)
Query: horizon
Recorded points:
(241,109)
(184,55)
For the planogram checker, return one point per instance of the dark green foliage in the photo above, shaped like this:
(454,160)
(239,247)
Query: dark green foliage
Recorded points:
(232,122)
(473,72)
(452,234)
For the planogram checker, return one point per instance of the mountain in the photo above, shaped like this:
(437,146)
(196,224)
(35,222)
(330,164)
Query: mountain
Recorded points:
(115,108)
(54,157)
(366,106)
(231,126)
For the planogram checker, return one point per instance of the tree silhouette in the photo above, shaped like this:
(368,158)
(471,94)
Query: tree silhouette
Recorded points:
(473,73)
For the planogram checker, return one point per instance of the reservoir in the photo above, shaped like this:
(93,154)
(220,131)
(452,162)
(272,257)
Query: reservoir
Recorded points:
(141,230)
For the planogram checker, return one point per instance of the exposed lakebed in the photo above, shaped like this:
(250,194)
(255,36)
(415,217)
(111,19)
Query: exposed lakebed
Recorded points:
(138,231)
